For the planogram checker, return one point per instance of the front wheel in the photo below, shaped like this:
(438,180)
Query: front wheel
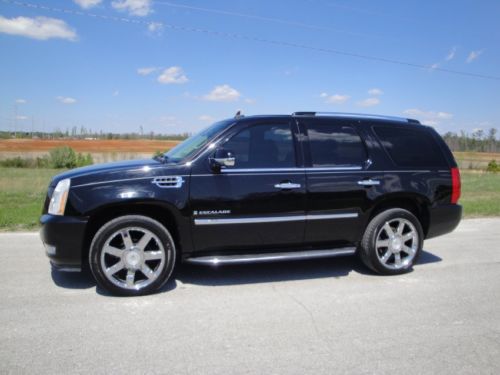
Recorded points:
(132,255)
(392,242)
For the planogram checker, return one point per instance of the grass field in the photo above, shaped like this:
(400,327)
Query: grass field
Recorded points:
(475,160)
(22,192)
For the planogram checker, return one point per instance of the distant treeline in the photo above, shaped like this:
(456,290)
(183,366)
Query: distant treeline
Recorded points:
(88,134)
(478,141)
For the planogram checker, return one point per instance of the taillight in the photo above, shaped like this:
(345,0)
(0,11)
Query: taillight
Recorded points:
(455,185)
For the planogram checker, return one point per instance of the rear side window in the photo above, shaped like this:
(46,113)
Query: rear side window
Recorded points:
(335,145)
(410,147)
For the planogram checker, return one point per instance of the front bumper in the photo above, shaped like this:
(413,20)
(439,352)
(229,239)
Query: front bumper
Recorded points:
(443,219)
(64,238)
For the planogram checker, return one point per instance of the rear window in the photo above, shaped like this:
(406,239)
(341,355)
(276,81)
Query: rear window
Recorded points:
(410,147)
(335,145)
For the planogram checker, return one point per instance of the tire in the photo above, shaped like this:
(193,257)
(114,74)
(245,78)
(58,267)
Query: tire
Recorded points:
(389,233)
(132,255)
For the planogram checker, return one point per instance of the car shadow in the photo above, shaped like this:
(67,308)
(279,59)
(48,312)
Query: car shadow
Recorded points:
(270,272)
(244,274)
(73,280)
(427,257)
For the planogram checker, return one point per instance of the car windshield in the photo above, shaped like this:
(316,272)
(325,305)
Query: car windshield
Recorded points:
(194,143)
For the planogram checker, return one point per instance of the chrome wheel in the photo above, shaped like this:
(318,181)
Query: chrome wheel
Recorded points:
(397,243)
(132,258)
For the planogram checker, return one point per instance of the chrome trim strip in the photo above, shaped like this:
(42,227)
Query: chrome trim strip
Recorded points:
(270,257)
(113,181)
(237,170)
(328,169)
(248,220)
(309,169)
(351,215)
(122,179)
(274,219)
(316,170)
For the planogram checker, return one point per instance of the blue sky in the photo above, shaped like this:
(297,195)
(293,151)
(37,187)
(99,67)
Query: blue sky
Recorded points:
(117,65)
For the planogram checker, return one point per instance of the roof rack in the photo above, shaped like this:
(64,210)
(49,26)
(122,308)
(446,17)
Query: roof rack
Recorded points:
(357,115)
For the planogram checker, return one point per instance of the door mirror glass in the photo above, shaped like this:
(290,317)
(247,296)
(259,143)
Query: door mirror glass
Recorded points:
(222,158)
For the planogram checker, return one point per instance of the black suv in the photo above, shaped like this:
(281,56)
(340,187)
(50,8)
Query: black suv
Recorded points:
(257,189)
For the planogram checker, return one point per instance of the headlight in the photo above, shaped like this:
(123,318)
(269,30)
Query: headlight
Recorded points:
(59,197)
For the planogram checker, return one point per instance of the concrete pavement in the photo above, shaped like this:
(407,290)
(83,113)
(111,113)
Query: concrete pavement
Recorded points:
(316,317)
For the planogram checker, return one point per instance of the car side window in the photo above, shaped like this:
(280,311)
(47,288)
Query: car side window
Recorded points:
(410,147)
(263,146)
(335,145)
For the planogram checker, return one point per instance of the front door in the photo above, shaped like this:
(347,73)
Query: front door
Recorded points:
(259,203)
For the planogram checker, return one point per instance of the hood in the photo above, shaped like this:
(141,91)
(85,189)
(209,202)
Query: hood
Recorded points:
(109,171)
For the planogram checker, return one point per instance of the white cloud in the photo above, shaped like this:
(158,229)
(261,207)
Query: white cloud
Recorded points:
(473,55)
(451,55)
(21,117)
(375,92)
(155,28)
(21,101)
(174,74)
(223,93)
(85,4)
(334,99)
(41,28)
(139,8)
(369,102)
(66,100)
(434,66)
(146,71)
(432,118)
(206,118)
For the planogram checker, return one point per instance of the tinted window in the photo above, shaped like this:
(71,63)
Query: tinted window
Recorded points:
(410,147)
(263,146)
(334,145)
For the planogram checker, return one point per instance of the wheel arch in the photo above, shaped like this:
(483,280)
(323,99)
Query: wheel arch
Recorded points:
(417,204)
(162,212)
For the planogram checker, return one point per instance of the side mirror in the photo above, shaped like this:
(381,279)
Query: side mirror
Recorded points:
(222,158)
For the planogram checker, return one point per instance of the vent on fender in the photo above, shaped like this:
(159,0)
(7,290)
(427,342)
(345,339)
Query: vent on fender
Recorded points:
(168,181)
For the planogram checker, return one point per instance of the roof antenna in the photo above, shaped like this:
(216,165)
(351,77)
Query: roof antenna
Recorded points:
(238,114)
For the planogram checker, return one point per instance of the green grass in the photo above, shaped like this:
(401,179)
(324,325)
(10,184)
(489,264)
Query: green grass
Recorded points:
(480,194)
(22,193)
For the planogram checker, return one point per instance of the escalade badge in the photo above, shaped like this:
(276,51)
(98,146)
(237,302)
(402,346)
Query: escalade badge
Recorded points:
(211,212)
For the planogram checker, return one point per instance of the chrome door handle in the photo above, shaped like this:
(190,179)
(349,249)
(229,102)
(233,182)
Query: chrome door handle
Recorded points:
(287,185)
(369,182)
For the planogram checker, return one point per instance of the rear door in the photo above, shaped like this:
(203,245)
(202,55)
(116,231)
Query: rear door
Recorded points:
(260,202)
(337,188)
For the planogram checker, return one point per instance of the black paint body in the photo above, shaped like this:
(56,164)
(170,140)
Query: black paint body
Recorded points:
(101,192)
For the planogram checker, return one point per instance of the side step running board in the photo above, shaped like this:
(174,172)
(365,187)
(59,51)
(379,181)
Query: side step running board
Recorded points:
(270,257)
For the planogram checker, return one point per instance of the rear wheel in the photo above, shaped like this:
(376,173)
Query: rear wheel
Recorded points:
(132,255)
(392,242)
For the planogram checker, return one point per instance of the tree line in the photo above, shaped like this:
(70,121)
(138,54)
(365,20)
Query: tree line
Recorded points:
(478,141)
(84,133)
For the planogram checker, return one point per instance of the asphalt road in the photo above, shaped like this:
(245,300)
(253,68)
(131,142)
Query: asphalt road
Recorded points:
(315,317)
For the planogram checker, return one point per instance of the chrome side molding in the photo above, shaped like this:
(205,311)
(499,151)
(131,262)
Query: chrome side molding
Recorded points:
(270,257)
(273,219)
